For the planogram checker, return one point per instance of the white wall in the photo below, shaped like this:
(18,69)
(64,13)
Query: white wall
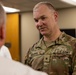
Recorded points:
(29,33)
(67,18)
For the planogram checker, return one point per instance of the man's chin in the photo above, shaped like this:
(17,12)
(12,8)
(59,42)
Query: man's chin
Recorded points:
(43,34)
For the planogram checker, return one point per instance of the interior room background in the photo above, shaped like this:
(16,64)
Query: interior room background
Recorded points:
(28,34)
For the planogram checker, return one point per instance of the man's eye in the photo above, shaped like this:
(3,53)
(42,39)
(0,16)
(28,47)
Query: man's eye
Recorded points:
(36,20)
(43,18)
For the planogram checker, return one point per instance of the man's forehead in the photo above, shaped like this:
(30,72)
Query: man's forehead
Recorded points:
(39,17)
(43,9)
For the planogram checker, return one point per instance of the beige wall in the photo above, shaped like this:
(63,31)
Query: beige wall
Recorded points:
(67,18)
(29,34)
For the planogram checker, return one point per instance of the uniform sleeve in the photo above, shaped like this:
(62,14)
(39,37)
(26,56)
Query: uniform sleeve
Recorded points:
(28,57)
(74,66)
(74,61)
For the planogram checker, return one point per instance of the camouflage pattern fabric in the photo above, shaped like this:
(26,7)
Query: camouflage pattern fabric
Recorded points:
(57,58)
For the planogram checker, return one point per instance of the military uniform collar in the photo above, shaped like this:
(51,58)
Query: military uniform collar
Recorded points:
(59,40)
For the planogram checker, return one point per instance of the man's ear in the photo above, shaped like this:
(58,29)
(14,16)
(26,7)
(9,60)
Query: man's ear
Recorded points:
(2,35)
(56,16)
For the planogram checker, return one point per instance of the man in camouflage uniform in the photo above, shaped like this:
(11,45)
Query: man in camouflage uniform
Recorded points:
(55,52)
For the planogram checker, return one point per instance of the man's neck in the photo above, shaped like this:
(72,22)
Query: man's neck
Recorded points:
(52,37)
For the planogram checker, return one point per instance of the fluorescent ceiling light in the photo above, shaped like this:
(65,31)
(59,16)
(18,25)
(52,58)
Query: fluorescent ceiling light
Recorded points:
(10,10)
(73,2)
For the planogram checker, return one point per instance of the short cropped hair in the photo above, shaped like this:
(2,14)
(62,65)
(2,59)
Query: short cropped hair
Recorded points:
(48,4)
(2,15)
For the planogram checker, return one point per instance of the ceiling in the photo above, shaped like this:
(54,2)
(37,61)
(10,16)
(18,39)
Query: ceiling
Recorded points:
(27,5)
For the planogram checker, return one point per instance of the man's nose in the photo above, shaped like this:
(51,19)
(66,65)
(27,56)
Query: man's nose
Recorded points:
(40,22)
